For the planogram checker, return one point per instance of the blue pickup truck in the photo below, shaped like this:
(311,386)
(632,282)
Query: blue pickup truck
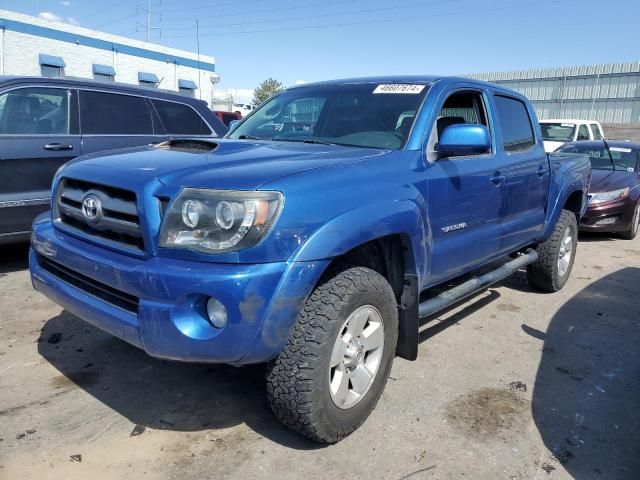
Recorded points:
(312,236)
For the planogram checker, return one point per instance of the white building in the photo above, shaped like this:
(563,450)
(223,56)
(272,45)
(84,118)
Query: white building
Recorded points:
(34,46)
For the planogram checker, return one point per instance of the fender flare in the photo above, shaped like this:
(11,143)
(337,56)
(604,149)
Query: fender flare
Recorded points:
(375,220)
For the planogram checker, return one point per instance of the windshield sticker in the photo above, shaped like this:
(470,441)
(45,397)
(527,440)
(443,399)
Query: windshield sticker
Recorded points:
(620,149)
(403,88)
(570,125)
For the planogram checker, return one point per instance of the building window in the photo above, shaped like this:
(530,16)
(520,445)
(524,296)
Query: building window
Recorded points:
(187,88)
(50,71)
(187,92)
(51,66)
(148,79)
(103,73)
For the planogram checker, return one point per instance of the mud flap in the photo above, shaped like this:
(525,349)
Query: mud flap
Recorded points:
(409,322)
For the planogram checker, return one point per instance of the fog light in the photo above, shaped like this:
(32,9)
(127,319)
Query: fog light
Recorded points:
(217,313)
(607,221)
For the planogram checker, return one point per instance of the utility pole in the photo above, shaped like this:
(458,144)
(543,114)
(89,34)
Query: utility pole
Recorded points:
(150,14)
(199,69)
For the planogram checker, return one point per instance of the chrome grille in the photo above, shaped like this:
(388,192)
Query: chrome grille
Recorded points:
(116,214)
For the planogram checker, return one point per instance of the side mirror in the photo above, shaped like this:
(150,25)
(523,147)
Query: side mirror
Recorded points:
(464,139)
(233,124)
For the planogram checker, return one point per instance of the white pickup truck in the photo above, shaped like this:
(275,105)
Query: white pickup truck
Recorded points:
(557,132)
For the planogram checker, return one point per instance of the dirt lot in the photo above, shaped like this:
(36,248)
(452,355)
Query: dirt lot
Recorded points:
(513,384)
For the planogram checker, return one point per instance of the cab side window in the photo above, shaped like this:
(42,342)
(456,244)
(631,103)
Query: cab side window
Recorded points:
(583,133)
(114,114)
(458,108)
(35,111)
(515,123)
(596,132)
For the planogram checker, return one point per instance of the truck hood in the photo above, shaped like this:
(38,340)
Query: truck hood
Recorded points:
(608,180)
(219,163)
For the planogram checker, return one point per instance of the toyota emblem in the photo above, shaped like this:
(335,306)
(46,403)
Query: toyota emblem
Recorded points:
(91,208)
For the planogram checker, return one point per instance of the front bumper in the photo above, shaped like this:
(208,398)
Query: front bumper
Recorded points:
(167,317)
(609,217)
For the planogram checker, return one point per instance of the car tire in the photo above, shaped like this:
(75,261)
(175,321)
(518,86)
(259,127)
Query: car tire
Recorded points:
(316,386)
(555,256)
(635,223)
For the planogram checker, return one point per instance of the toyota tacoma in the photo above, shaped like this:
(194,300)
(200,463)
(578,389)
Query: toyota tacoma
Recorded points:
(312,237)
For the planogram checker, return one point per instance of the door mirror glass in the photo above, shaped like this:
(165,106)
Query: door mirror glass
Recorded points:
(464,139)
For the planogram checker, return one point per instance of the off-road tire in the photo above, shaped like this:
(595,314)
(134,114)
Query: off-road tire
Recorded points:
(633,228)
(544,273)
(298,380)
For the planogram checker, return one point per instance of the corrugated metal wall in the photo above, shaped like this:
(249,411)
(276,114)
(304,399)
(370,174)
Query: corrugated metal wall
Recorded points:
(607,93)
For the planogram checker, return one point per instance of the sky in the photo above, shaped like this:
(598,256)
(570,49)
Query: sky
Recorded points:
(310,40)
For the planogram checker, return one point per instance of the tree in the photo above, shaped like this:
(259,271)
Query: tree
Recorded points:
(266,90)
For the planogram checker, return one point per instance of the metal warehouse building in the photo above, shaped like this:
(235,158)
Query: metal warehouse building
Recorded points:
(608,93)
(34,46)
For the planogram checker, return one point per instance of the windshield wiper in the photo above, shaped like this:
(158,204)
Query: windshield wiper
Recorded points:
(613,164)
(250,137)
(318,142)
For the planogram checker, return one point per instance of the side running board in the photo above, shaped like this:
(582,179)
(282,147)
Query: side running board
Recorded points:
(476,284)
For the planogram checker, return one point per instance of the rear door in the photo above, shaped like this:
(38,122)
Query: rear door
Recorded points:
(527,169)
(38,134)
(111,120)
(465,195)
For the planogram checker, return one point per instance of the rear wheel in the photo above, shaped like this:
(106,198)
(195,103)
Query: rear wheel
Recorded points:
(555,256)
(635,223)
(332,372)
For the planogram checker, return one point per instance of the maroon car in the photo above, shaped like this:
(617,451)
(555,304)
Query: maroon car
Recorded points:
(614,196)
(227,117)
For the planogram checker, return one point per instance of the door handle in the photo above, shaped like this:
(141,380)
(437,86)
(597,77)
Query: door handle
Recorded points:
(541,171)
(498,178)
(57,146)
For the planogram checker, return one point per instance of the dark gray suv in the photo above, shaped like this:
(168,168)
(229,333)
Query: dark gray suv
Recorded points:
(46,122)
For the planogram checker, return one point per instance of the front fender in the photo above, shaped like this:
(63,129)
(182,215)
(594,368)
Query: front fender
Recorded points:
(366,223)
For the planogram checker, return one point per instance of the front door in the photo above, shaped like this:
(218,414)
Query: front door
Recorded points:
(465,195)
(38,134)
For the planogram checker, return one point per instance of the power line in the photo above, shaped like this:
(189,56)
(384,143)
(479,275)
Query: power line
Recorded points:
(265,10)
(183,9)
(367,22)
(308,17)
(110,7)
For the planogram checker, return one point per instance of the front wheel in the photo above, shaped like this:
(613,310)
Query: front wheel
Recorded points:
(635,223)
(332,372)
(555,256)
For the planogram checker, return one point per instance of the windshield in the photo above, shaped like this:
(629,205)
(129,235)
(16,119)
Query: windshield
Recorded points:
(557,132)
(356,115)
(615,158)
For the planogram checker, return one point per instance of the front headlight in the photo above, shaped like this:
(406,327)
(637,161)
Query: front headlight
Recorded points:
(611,196)
(217,221)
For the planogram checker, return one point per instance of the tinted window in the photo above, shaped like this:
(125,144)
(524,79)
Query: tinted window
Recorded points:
(583,133)
(517,133)
(179,119)
(596,132)
(114,114)
(43,111)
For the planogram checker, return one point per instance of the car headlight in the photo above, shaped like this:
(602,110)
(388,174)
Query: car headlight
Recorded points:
(602,197)
(217,221)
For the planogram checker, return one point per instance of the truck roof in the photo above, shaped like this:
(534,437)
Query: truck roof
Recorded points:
(568,120)
(419,79)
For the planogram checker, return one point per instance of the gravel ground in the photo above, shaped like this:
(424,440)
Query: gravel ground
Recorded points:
(513,384)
